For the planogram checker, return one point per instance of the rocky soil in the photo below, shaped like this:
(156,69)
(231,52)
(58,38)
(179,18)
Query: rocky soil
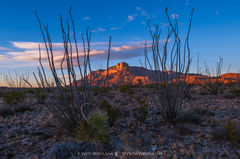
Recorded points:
(36,134)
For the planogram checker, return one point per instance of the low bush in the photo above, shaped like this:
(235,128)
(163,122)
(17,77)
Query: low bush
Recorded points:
(41,95)
(94,131)
(13,97)
(203,111)
(140,113)
(113,113)
(123,88)
(141,110)
(228,131)
(229,95)
(22,108)
(6,111)
(189,116)
(236,92)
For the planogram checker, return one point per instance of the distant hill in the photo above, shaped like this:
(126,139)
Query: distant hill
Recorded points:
(122,73)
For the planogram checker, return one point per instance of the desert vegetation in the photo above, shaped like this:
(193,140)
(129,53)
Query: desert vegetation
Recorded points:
(71,117)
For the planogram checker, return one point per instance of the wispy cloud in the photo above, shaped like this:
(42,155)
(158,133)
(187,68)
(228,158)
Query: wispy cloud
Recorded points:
(4,49)
(217,12)
(175,16)
(99,30)
(130,18)
(86,18)
(24,54)
(116,28)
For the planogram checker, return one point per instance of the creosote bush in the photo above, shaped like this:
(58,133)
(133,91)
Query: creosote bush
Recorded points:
(93,131)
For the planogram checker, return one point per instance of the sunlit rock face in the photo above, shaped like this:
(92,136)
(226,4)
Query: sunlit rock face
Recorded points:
(122,73)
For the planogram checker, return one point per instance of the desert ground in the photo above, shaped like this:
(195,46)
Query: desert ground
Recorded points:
(207,127)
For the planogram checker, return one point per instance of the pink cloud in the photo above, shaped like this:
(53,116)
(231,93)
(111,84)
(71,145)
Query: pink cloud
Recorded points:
(130,18)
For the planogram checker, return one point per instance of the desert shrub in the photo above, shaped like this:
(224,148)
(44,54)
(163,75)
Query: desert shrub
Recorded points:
(72,87)
(141,110)
(123,88)
(5,111)
(22,108)
(203,111)
(214,87)
(41,95)
(93,131)
(169,68)
(236,91)
(13,97)
(229,95)
(213,83)
(96,91)
(113,113)
(228,131)
(189,116)
(141,101)
(131,91)
(140,113)
(29,91)
(187,91)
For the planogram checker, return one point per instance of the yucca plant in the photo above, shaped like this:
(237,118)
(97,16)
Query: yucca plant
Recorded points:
(93,131)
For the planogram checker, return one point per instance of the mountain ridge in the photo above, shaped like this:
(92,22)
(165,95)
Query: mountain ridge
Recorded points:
(122,73)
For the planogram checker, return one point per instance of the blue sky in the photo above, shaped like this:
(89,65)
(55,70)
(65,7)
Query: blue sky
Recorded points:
(215,28)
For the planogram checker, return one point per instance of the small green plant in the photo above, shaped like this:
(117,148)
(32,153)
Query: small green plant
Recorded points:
(93,131)
(140,113)
(113,113)
(228,131)
(96,91)
(187,91)
(131,91)
(141,101)
(41,95)
(13,97)
(236,91)
(123,88)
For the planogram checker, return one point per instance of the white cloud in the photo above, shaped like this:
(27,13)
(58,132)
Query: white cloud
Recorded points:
(32,45)
(86,18)
(28,56)
(130,18)
(138,8)
(98,30)
(116,28)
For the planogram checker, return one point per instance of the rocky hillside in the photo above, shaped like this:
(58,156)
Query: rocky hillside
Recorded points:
(122,73)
